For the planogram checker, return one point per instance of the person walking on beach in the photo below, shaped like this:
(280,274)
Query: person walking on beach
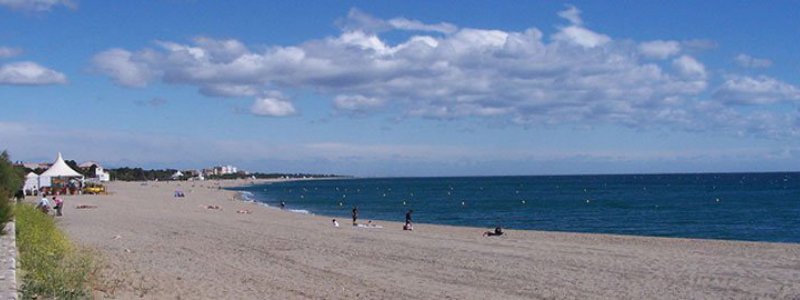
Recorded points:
(58,205)
(283,205)
(355,215)
(408,225)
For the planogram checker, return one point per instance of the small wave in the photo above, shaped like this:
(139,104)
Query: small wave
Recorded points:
(246,196)
(300,211)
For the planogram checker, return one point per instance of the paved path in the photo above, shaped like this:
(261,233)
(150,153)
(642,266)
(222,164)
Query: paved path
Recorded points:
(8,263)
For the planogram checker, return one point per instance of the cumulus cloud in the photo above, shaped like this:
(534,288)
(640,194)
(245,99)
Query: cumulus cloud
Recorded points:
(576,76)
(36,5)
(689,66)
(578,34)
(29,73)
(659,49)
(272,106)
(762,90)
(126,68)
(748,61)
(6,52)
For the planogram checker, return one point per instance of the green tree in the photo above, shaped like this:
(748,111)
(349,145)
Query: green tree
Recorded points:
(11,180)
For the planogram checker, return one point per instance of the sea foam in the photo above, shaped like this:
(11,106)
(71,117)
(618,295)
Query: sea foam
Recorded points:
(246,196)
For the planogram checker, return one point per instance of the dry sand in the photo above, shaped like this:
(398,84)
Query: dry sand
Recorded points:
(159,247)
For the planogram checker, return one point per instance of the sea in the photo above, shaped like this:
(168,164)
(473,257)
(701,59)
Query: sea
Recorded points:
(736,206)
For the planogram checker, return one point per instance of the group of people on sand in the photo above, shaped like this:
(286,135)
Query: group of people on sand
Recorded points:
(44,205)
(409,225)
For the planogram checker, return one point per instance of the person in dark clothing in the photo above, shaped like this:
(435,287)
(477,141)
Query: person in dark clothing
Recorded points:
(19,195)
(408,216)
(355,215)
(497,232)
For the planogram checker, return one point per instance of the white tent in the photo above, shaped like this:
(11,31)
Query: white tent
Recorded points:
(59,169)
(31,183)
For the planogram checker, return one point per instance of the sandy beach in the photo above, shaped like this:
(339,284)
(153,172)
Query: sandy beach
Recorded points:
(155,246)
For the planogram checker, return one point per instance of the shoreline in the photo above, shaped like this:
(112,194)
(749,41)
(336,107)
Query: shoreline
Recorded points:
(307,210)
(158,246)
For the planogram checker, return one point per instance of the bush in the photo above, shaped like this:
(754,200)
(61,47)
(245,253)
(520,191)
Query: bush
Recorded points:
(6,211)
(50,266)
(11,181)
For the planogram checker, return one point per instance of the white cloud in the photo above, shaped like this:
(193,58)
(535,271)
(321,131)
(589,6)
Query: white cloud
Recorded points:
(576,33)
(572,14)
(229,90)
(357,103)
(748,61)
(582,36)
(577,76)
(36,5)
(406,24)
(29,73)
(760,90)
(689,66)
(6,52)
(357,20)
(659,49)
(124,67)
(271,106)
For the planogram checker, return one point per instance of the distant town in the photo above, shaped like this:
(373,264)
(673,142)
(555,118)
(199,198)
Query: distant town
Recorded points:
(95,172)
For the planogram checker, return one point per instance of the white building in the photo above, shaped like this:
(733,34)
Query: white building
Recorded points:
(220,170)
(227,170)
(99,172)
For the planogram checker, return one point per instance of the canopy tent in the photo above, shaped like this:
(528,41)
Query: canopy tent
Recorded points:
(60,175)
(31,183)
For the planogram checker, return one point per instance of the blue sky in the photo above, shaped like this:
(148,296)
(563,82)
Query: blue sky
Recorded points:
(404,88)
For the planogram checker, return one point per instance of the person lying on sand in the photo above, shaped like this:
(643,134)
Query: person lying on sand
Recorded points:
(497,232)
(213,207)
(85,206)
(244,211)
(369,225)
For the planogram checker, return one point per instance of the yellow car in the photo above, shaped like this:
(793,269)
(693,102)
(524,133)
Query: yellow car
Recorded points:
(94,190)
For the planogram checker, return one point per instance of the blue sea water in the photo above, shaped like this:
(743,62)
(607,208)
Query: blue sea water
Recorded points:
(738,206)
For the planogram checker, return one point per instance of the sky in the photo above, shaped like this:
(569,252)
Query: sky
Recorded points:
(404,88)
